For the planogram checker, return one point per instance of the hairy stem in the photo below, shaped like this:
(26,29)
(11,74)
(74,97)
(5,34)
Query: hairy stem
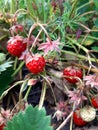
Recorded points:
(41,102)
(73,9)
(18,69)
(27,93)
(65,121)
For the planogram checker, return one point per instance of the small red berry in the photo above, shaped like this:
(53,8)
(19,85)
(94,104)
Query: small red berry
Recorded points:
(54,5)
(35,64)
(77,119)
(2,126)
(94,101)
(70,73)
(16,46)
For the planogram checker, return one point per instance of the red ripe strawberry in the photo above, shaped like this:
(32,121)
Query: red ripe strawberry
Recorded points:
(94,101)
(2,126)
(71,73)
(16,46)
(35,64)
(77,118)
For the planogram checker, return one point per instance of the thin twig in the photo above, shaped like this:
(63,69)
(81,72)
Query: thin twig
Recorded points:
(95,70)
(65,121)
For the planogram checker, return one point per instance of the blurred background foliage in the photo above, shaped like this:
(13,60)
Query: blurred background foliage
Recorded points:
(77,19)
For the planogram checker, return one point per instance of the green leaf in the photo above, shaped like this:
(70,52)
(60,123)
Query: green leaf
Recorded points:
(5,79)
(30,119)
(5,65)
(96,3)
(96,22)
(22,4)
(84,9)
(94,48)
(2,57)
(1,4)
(29,4)
(87,42)
(13,5)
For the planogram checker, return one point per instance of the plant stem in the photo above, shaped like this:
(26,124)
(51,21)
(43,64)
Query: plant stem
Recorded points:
(45,32)
(83,40)
(27,93)
(18,11)
(71,122)
(13,7)
(21,91)
(90,2)
(73,9)
(30,31)
(82,25)
(90,12)
(18,69)
(95,70)
(36,39)
(76,43)
(65,121)
(50,87)
(78,56)
(15,63)
(68,117)
(89,36)
(6,91)
(85,27)
(41,102)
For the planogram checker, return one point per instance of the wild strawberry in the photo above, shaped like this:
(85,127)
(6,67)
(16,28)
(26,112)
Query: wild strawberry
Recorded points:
(54,5)
(71,74)
(35,64)
(77,118)
(16,46)
(2,126)
(94,101)
(88,113)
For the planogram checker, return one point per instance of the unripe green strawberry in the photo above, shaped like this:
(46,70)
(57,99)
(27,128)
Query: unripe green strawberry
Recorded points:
(88,113)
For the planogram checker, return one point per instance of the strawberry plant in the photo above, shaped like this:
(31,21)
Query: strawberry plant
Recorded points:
(31,118)
(51,45)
